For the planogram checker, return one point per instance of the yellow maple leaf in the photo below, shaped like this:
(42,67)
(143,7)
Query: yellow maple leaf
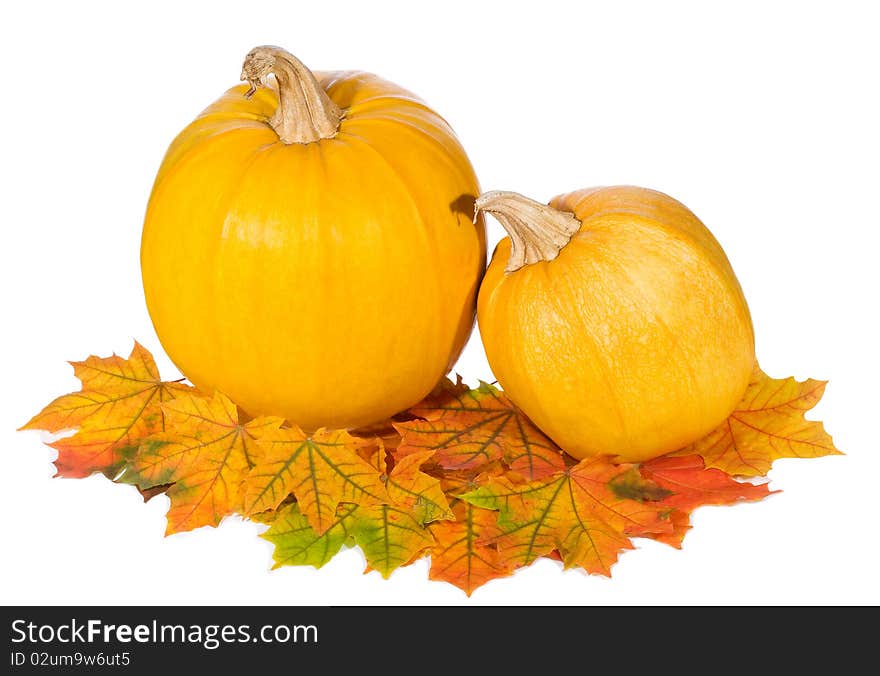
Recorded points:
(766,425)
(320,469)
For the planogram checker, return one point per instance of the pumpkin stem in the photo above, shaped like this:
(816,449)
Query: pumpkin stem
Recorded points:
(305,113)
(538,232)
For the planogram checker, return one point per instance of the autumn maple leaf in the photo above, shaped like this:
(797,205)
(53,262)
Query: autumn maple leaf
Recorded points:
(321,470)
(766,425)
(464,553)
(118,405)
(577,512)
(470,429)
(298,544)
(407,486)
(205,454)
(383,513)
(389,537)
(688,484)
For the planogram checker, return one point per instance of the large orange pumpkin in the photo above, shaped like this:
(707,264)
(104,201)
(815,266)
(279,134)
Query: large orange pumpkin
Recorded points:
(309,248)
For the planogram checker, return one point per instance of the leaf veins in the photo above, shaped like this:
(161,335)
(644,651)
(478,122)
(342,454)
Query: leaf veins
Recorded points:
(577,512)
(465,554)
(389,537)
(470,429)
(320,470)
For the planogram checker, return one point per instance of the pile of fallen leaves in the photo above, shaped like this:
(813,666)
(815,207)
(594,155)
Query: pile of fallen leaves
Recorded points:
(463,477)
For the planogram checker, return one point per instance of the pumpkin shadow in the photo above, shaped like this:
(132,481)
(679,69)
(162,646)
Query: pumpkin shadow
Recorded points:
(464,205)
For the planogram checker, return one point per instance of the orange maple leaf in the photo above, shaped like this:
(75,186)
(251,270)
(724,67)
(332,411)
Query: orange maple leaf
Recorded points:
(321,470)
(464,553)
(118,405)
(690,484)
(583,512)
(766,425)
(680,524)
(469,429)
(206,454)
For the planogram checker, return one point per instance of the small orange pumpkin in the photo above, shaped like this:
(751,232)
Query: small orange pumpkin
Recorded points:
(613,319)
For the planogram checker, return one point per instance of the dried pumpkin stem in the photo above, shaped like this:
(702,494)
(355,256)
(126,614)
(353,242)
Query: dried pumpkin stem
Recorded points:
(305,113)
(538,232)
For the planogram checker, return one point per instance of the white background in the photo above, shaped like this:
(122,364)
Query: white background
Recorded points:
(762,117)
